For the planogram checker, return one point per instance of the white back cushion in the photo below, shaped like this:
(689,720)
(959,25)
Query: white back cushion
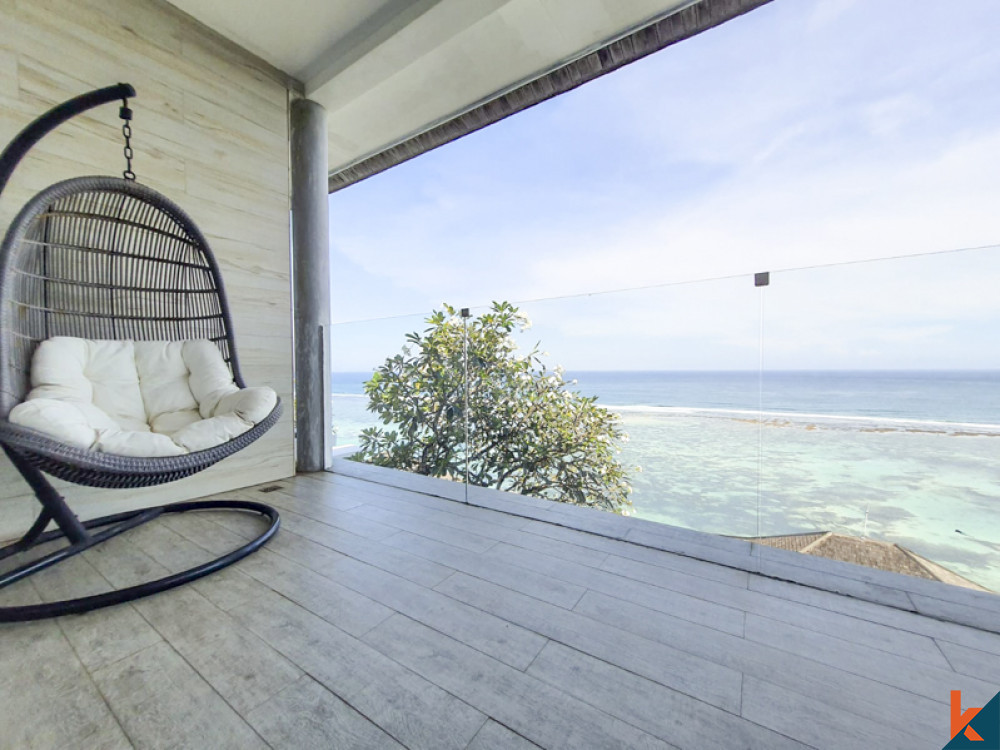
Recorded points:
(163,381)
(210,378)
(101,373)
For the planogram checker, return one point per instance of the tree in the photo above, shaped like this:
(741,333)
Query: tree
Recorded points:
(528,433)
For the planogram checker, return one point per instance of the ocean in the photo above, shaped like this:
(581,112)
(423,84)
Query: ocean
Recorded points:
(911,457)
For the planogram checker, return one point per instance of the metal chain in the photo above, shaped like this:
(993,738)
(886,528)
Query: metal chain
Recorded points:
(126,114)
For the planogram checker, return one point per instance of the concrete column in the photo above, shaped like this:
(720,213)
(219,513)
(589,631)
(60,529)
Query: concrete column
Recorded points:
(311,284)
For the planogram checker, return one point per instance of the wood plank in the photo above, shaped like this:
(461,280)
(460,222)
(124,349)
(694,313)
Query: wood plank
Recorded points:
(238,196)
(973,662)
(668,714)
(305,488)
(482,631)
(670,666)
(681,581)
(649,529)
(255,233)
(240,524)
(853,665)
(945,593)
(243,130)
(819,724)
(694,608)
(89,148)
(243,669)
(151,35)
(543,714)
(417,569)
(19,511)
(161,702)
(123,564)
(98,638)
(228,588)
(307,715)
(414,711)
(444,510)
(429,528)
(48,698)
(198,528)
(9,83)
(529,508)
(567,551)
(646,555)
(697,548)
(864,696)
(917,677)
(906,621)
(918,647)
(395,478)
(333,517)
(705,546)
(167,547)
(587,519)
(978,616)
(401,499)
(337,604)
(530,582)
(822,579)
(494,736)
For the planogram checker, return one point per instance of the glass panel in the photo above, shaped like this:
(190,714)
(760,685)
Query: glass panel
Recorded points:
(358,349)
(396,390)
(882,401)
(677,366)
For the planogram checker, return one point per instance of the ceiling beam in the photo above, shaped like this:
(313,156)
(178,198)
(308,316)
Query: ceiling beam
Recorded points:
(373,32)
(683,24)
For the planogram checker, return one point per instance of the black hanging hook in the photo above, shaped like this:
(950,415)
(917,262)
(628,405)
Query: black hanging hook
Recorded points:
(125,113)
(52,119)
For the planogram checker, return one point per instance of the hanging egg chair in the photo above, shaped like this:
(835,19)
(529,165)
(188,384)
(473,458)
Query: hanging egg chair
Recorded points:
(118,366)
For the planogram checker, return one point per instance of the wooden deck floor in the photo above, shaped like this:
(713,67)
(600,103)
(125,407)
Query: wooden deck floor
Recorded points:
(381,617)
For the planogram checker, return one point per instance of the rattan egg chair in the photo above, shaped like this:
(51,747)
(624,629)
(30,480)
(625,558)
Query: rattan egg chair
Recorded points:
(104,258)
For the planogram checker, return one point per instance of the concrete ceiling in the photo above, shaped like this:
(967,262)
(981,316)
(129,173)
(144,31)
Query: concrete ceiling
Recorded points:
(387,70)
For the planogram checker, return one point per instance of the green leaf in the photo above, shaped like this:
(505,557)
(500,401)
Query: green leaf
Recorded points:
(529,432)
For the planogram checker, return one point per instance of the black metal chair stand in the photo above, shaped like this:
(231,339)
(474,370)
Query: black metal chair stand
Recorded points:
(104,258)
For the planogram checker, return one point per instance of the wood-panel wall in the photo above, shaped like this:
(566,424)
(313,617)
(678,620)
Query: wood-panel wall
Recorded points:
(211,133)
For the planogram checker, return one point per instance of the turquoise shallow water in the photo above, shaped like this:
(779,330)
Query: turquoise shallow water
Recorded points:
(918,489)
(917,453)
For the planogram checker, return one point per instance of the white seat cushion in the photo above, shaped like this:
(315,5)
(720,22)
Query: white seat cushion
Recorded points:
(143,398)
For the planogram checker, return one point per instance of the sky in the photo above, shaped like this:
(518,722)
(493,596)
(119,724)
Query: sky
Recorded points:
(805,133)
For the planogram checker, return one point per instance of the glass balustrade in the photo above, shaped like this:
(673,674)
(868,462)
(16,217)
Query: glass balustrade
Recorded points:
(396,391)
(852,411)
(881,425)
(358,349)
(672,372)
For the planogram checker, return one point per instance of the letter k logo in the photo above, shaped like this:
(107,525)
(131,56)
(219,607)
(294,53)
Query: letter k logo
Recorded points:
(974,728)
(960,720)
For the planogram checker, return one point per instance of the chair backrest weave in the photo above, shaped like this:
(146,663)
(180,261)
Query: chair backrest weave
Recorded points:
(104,258)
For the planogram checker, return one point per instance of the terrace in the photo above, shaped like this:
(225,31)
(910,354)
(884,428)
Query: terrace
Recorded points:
(394,610)
(389,613)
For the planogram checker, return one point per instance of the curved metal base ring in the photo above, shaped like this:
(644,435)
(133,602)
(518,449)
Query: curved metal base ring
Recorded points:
(119,523)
